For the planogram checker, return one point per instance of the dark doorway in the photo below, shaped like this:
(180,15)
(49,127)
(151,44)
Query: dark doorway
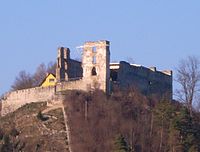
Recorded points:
(113,75)
(94,72)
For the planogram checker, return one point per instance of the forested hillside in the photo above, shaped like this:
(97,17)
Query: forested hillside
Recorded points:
(130,122)
(121,122)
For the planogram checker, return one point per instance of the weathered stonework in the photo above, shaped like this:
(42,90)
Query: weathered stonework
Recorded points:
(146,80)
(14,100)
(63,55)
(94,72)
(95,63)
(67,68)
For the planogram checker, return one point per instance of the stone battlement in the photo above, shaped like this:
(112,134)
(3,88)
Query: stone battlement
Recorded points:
(114,66)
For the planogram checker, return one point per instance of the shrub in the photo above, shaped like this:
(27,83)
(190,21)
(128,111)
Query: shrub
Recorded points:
(41,117)
(1,134)
(14,132)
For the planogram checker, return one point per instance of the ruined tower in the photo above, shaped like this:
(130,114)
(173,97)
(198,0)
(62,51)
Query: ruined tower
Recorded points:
(61,69)
(95,64)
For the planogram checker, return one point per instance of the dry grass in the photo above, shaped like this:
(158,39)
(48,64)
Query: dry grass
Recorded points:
(33,133)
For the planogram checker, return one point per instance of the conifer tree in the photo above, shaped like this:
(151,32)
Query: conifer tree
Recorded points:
(164,113)
(189,132)
(121,144)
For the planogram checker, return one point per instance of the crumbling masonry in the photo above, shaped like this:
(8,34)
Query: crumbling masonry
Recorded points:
(94,72)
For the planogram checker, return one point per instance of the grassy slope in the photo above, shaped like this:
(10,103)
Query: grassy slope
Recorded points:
(27,132)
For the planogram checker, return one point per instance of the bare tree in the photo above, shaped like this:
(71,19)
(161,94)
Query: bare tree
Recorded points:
(40,74)
(51,67)
(188,76)
(23,81)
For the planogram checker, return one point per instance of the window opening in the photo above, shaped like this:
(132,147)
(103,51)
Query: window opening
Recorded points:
(94,72)
(94,60)
(113,75)
(94,49)
(51,80)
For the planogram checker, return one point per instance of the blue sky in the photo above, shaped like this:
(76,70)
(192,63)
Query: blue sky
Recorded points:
(151,32)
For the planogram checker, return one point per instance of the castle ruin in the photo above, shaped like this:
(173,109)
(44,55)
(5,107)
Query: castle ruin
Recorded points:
(94,72)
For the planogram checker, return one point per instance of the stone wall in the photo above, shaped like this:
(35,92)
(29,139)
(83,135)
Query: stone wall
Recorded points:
(70,85)
(147,80)
(74,69)
(14,100)
(81,84)
(67,68)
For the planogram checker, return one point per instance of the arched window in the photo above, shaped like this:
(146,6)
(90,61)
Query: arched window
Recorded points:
(94,72)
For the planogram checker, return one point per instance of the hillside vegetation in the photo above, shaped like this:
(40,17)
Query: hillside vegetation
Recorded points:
(130,122)
(122,122)
(29,130)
